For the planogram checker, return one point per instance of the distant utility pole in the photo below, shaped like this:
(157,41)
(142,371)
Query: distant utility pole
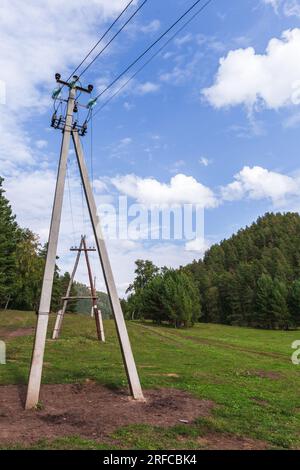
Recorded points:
(96,312)
(70,128)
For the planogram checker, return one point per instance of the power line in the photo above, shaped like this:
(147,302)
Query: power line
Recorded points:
(149,48)
(98,42)
(152,57)
(114,37)
(101,39)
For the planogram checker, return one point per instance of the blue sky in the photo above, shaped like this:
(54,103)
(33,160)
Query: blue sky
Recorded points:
(219,107)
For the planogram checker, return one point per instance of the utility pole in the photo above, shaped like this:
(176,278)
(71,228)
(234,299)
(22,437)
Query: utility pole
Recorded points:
(96,311)
(70,128)
(61,312)
(45,301)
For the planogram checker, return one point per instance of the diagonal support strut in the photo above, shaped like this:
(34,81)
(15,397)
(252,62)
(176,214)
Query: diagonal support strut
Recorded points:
(130,366)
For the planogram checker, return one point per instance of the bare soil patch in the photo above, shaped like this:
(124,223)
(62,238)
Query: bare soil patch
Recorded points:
(7,334)
(90,411)
(262,374)
(229,442)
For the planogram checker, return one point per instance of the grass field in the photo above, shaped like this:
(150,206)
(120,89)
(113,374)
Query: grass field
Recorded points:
(247,373)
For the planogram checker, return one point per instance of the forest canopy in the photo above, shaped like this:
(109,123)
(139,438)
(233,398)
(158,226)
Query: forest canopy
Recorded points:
(251,279)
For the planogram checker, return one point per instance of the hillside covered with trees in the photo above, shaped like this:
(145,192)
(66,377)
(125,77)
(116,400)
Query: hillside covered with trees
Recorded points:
(251,279)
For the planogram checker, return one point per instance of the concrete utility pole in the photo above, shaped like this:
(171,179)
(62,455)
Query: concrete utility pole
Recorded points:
(45,302)
(61,313)
(70,127)
(96,311)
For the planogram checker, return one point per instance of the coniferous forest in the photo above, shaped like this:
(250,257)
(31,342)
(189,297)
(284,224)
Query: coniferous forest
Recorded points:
(252,279)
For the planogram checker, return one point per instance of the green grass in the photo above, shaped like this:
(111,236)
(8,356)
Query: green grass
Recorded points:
(247,373)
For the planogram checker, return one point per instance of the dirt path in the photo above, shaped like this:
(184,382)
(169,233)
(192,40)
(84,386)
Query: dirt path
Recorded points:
(173,336)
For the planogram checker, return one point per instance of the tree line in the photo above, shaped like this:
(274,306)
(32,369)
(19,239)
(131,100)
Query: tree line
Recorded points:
(251,279)
(163,296)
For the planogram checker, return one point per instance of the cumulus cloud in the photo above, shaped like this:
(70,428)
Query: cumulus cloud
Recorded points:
(248,78)
(259,183)
(181,189)
(199,246)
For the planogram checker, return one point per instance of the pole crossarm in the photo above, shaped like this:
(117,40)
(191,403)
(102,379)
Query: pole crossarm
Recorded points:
(82,249)
(80,297)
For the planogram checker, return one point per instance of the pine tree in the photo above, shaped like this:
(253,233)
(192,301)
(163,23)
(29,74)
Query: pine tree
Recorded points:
(261,317)
(279,313)
(212,312)
(9,237)
(294,303)
(29,271)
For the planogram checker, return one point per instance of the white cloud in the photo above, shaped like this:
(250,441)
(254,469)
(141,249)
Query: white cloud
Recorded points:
(292,8)
(181,189)
(288,7)
(128,106)
(292,121)
(15,143)
(274,3)
(39,41)
(41,144)
(204,161)
(247,78)
(151,27)
(199,246)
(259,183)
(162,254)
(31,194)
(126,141)
(176,166)
(177,75)
(183,40)
(147,87)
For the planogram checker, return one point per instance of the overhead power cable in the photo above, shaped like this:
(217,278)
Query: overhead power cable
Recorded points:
(113,38)
(148,49)
(152,57)
(101,39)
